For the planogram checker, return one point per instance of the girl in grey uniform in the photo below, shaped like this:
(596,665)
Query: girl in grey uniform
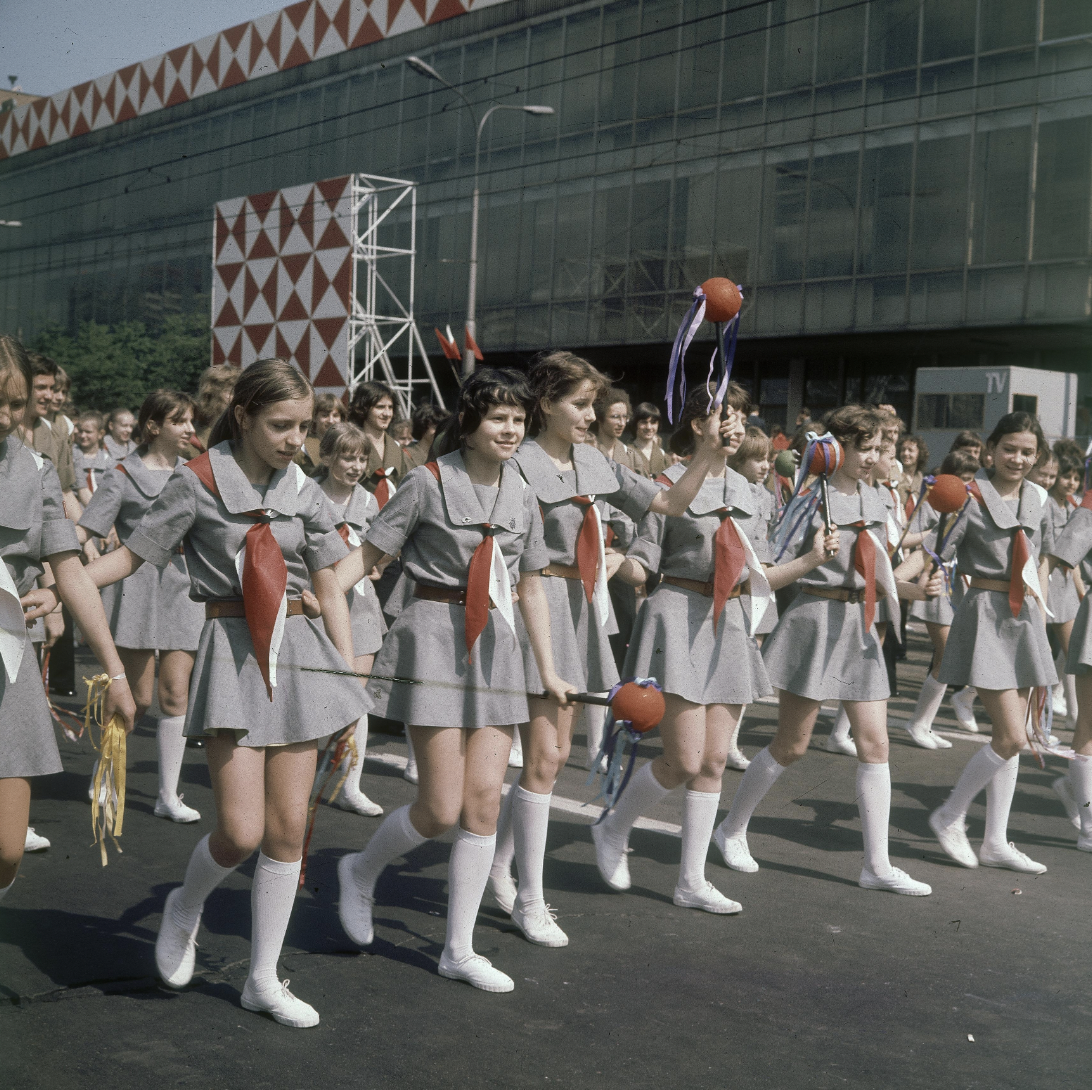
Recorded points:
(569,479)
(152,610)
(1072,549)
(267,682)
(342,454)
(693,634)
(469,531)
(937,614)
(34,531)
(825,647)
(998,641)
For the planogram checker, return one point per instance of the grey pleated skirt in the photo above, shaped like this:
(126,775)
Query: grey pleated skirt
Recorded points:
(152,609)
(1062,598)
(1079,660)
(426,645)
(28,742)
(313,695)
(990,649)
(673,641)
(820,650)
(582,652)
(366,616)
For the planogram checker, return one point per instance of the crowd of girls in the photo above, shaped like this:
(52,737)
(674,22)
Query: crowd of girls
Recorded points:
(306,570)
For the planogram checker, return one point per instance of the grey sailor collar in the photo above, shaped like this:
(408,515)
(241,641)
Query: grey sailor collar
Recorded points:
(1029,510)
(594,475)
(461,501)
(148,482)
(239,496)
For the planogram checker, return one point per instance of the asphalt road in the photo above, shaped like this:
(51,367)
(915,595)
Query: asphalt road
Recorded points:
(817,984)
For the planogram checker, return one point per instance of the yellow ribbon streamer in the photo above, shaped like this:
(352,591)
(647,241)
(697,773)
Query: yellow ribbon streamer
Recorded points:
(108,815)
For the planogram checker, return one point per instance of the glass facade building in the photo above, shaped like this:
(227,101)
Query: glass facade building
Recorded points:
(895,183)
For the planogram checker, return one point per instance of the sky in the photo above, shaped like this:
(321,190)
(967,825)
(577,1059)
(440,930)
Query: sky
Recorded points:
(55,44)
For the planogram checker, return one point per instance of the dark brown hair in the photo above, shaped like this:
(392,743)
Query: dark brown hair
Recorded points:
(159,406)
(613,395)
(1013,424)
(262,384)
(646,411)
(558,374)
(696,407)
(959,462)
(428,416)
(215,382)
(323,404)
(853,425)
(365,398)
(923,453)
(967,439)
(486,387)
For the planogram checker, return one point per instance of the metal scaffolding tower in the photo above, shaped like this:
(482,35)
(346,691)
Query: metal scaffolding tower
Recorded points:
(380,323)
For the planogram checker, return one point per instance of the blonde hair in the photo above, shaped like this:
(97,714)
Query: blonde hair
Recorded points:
(342,438)
(756,444)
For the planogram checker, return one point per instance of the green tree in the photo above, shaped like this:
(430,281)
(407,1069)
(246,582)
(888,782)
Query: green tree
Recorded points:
(119,365)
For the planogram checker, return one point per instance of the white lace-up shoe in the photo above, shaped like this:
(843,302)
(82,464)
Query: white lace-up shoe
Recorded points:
(897,881)
(476,971)
(175,946)
(923,736)
(1010,858)
(354,908)
(708,899)
(284,1007)
(176,810)
(358,802)
(538,924)
(410,772)
(503,888)
(735,851)
(1064,792)
(836,744)
(737,761)
(953,839)
(610,858)
(963,706)
(36,843)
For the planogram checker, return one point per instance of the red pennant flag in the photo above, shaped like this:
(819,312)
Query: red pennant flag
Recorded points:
(450,349)
(471,344)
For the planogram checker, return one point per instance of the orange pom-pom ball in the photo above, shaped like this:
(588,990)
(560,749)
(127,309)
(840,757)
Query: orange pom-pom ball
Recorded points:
(947,494)
(722,299)
(642,706)
(826,458)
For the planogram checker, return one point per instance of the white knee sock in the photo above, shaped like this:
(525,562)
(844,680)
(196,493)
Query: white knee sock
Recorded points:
(978,772)
(642,793)
(874,805)
(4,889)
(841,729)
(1069,684)
(360,738)
(471,858)
(929,700)
(203,875)
(757,780)
(530,821)
(699,817)
(999,793)
(1080,779)
(271,900)
(411,759)
(171,743)
(506,838)
(395,837)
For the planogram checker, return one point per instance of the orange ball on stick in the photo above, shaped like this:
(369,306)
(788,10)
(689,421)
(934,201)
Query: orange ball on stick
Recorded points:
(722,299)
(826,458)
(642,706)
(947,494)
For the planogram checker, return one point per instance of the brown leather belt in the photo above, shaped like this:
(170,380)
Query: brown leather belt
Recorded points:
(840,594)
(707,588)
(562,571)
(233,607)
(455,596)
(999,585)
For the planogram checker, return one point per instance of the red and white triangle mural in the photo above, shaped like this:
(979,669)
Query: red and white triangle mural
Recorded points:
(295,35)
(282,279)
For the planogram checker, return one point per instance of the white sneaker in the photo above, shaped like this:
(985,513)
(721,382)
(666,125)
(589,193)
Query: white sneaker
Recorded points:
(36,843)
(1010,858)
(1058,704)
(176,810)
(538,924)
(476,971)
(358,802)
(708,899)
(922,736)
(963,705)
(610,858)
(410,772)
(504,890)
(737,761)
(898,881)
(735,851)
(354,908)
(836,744)
(953,839)
(175,946)
(281,1004)
(1084,843)
(1064,792)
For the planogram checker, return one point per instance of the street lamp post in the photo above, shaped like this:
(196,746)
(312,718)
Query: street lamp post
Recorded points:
(429,72)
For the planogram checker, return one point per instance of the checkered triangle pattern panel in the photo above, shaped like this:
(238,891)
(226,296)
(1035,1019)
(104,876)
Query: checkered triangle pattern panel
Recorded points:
(299,33)
(282,276)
